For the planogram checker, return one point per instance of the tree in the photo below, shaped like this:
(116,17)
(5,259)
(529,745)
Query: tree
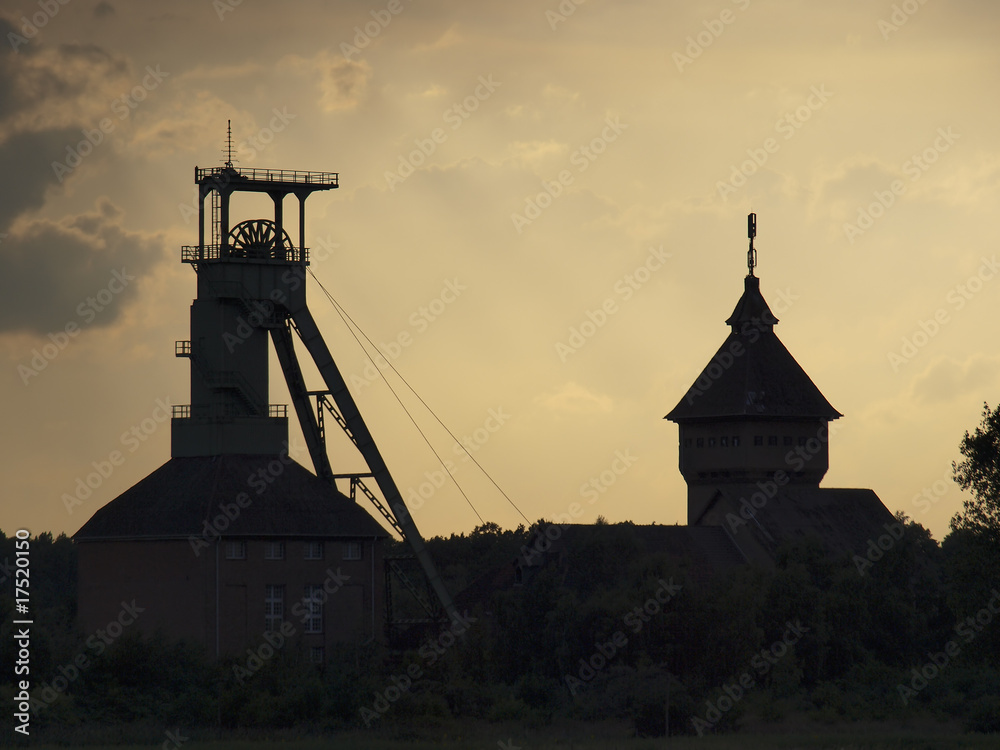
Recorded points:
(979,473)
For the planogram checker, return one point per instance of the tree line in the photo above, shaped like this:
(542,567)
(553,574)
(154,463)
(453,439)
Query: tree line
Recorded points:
(602,629)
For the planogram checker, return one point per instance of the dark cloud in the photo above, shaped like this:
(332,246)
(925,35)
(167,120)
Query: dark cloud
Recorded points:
(103,10)
(72,72)
(82,270)
(44,84)
(8,59)
(93,54)
(26,166)
(343,83)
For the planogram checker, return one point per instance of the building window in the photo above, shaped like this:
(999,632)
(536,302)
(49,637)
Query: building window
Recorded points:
(274,607)
(274,551)
(352,550)
(758,439)
(772,439)
(317,655)
(724,442)
(736,441)
(314,550)
(687,442)
(313,602)
(236,550)
(711,442)
(701,442)
(787,440)
(802,441)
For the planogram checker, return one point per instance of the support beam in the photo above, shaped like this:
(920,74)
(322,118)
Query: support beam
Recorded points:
(302,221)
(201,215)
(224,221)
(313,340)
(285,350)
(279,224)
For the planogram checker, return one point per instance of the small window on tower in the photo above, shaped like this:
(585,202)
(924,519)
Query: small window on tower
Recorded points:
(687,442)
(736,441)
(723,442)
(711,442)
(758,439)
(802,441)
(701,442)
(787,440)
(772,439)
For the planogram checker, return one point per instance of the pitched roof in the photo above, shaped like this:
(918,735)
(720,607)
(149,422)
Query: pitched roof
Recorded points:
(751,309)
(844,519)
(752,374)
(268,497)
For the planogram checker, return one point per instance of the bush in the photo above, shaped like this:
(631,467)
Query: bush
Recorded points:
(984,715)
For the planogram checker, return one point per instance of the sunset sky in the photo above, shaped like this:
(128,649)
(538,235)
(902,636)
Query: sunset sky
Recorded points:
(510,171)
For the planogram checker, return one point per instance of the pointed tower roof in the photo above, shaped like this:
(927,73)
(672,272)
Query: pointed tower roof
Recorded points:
(752,309)
(752,375)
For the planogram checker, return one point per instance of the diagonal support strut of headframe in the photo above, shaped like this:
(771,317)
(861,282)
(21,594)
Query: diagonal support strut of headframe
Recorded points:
(302,322)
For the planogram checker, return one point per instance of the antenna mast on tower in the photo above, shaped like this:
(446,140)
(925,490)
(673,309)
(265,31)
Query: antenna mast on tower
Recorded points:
(751,233)
(229,143)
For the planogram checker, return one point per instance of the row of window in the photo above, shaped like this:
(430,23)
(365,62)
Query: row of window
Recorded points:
(274,607)
(734,441)
(312,601)
(236,549)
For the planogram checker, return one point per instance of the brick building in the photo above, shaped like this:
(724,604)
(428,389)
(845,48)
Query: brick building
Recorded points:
(211,559)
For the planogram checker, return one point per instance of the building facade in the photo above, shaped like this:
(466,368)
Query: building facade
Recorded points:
(207,558)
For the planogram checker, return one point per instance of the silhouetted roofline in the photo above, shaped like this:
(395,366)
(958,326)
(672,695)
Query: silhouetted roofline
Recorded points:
(752,375)
(752,309)
(845,519)
(185,495)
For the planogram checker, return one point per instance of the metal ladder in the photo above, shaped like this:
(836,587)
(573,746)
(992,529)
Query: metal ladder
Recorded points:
(216,217)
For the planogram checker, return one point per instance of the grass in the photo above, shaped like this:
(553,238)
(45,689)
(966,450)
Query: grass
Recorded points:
(594,736)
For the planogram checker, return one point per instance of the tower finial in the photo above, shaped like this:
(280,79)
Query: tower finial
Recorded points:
(229,143)
(751,233)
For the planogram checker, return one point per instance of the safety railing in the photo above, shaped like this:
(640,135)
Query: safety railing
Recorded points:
(203,253)
(257,174)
